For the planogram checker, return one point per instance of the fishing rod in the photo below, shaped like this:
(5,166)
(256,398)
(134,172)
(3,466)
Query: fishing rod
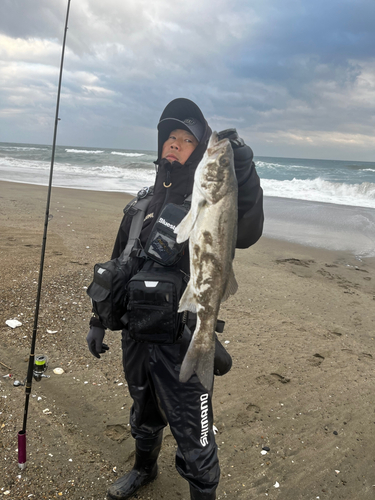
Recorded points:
(38,364)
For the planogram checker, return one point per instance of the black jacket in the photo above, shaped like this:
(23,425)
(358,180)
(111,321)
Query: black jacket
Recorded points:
(181,179)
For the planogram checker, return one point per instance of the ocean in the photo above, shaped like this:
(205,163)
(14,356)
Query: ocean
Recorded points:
(323,203)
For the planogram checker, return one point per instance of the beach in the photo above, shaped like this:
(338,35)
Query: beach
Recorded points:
(300,331)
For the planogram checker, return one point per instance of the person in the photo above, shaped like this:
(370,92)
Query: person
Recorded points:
(152,370)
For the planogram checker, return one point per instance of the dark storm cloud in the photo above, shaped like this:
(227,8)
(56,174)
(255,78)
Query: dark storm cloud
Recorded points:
(285,73)
(24,19)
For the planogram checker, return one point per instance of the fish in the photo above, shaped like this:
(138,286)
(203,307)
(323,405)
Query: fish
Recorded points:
(211,227)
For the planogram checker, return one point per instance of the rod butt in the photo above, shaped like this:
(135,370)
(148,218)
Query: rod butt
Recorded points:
(22,450)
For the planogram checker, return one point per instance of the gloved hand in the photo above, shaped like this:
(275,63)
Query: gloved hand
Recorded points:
(232,135)
(222,360)
(242,154)
(95,341)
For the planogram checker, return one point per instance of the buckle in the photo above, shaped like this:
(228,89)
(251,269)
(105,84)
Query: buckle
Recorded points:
(144,192)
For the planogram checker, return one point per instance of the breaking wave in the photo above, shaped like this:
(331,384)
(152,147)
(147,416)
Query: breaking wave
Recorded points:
(84,151)
(324,191)
(126,154)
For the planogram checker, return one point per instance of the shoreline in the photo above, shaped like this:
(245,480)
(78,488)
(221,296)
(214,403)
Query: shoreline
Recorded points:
(308,223)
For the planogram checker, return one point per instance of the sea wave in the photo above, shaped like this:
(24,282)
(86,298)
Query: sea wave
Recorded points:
(106,172)
(22,148)
(84,151)
(126,154)
(101,178)
(8,162)
(362,195)
(277,166)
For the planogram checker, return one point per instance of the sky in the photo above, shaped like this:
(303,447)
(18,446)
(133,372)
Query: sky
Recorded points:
(295,77)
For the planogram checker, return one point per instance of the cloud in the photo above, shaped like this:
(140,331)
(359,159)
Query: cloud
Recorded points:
(278,71)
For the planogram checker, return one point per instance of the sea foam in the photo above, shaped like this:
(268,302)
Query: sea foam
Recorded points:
(321,190)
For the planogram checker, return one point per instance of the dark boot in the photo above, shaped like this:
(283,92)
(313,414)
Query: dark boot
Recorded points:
(197,495)
(144,471)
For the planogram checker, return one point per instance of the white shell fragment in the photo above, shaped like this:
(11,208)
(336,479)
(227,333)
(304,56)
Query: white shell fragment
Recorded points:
(58,371)
(47,412)
(263,452)
(13,323)
(52,331)
(277,485)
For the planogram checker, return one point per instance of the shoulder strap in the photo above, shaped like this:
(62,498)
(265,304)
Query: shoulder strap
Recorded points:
(139,206)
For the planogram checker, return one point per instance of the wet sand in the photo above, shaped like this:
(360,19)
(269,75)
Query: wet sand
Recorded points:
(300,331)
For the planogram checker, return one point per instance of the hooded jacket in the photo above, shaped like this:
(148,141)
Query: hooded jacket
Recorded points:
(174,183)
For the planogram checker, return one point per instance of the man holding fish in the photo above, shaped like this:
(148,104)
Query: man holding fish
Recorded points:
(172,383)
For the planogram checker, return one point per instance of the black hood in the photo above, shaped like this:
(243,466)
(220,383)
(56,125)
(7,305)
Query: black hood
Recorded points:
(181,109)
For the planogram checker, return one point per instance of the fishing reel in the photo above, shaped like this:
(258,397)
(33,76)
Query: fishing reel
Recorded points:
(40,366)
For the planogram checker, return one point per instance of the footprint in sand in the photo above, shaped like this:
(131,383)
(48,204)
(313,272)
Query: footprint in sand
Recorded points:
(365,355)
(296,262)
(300,267)
(316,360)
(250,414)
(326,274)
(272,379)
(336,333)
(361,355)
(117,432)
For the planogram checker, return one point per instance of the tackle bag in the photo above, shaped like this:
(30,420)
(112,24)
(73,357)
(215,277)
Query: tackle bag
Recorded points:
(108,288)
(152,309)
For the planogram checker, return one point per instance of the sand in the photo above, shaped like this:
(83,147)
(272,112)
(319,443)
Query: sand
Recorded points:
(300,331)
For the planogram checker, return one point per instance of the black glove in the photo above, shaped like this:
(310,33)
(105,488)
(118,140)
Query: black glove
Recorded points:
(232,135)
(222,360)
(242,154)
(95,341)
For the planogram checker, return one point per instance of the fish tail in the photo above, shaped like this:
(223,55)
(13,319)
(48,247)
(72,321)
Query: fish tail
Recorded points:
(198,360)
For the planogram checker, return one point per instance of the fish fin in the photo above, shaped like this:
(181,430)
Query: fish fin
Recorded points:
(232,286)
(199,360)
(187,301)
(185,227)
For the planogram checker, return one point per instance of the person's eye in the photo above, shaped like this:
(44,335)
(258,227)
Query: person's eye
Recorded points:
(172,137)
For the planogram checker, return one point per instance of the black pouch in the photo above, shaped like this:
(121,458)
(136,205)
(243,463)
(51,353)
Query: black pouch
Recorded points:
(153,297)
(108,288)
(161,245)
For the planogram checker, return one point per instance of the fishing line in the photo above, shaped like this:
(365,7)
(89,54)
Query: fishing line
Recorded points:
(37,365)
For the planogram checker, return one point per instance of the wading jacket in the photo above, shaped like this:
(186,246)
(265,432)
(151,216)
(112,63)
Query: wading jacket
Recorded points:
(180,180)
